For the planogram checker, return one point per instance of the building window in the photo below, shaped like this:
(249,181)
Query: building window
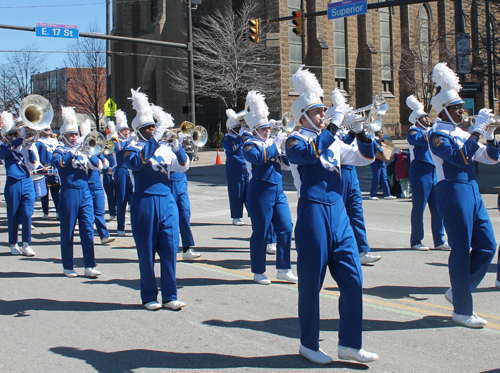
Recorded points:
(385,50)
(340,52)
(424,39)
(294,42)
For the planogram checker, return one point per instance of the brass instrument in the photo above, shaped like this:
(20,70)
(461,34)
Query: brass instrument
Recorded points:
(494,119)
(35,114)
(109,147)
(373,121)
(93,144)
(197,134)
(286,123)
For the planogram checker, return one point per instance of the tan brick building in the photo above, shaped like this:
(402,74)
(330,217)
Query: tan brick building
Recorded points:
(363,54)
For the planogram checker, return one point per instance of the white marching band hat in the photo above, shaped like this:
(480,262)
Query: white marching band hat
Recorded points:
(444,77)
(144,110)
(70,121)
(7,123)
(234,119)
(258,112)
(417,108)
(121,120)
(306,84)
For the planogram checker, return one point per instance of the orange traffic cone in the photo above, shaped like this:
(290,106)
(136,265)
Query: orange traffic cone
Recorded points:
(217,160)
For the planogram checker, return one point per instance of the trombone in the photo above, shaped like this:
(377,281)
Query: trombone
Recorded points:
(35,114)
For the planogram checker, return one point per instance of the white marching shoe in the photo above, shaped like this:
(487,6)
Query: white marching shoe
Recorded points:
(444,247)
(286,275)
(420,247)
(27,250)
(107,240)
(190,255)
(174,304)
(390,197)
(15,250)
(70,273)
(238,222)
(366,258)
(91,272)
(120,233)
(261,278)
(318,357)
(449,295)
(271,248)
(152,306)
(473,321)
(347,353)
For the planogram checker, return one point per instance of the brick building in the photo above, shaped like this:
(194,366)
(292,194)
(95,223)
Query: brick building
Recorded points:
(382,52)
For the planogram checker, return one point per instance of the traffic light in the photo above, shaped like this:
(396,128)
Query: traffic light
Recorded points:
(254,30)
(297,30)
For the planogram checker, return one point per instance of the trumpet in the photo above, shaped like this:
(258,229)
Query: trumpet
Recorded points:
(372,121)
(286,123)
(494,120)
(197,134)
(35,114)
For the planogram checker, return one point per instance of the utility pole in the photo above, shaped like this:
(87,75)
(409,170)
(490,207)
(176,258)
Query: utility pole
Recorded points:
(189,33)
(108,54)
(488,54)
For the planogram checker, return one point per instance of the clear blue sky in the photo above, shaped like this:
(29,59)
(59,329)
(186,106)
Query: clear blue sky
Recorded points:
(28,12)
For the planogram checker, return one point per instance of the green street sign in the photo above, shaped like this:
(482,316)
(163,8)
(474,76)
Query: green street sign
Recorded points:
(110,108)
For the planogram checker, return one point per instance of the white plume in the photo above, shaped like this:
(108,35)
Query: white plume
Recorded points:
(85,128)
(111,126)
(257,103)
(231,114)
(338,98)
(445,77)
(120,117)
(7,120)
(413,103)
(163,119)
(69,115)
(305,81)
(140,102)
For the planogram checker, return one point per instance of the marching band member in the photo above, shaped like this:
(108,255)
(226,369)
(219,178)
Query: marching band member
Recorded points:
(266,200)
(46,145)
(458,199)
(154,214)
(236,168)
(323,235)
(75,201)
(179,188)
(379,171)
(19,189)
(123,183)
(423,179)
(351,191)
(97,163)
(108,183)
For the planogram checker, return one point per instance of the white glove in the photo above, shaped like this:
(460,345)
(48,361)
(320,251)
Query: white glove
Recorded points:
(489,134)
(278,141)
(357,126)
(482,120)
(242,131)
(176,143)
(78,143)
(339,114)
(159,132)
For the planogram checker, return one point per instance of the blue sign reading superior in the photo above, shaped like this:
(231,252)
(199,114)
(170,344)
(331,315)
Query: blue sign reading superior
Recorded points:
(347,8)
(55,30)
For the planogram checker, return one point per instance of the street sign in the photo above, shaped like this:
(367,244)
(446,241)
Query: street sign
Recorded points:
(55,30)
(110,108)
(347,8)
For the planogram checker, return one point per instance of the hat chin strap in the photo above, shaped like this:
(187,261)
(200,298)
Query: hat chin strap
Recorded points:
(449,116)
(311,123)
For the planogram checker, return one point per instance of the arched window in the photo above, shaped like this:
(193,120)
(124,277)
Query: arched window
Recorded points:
(424,37)
(294,43)
(340,52)
(385,49)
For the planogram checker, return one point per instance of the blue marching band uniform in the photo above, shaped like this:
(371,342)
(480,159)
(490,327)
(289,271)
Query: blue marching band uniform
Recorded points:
(108,183)
(19,189)
(330,231)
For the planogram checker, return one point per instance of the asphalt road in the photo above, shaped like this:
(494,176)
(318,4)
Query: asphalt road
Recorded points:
(52,323)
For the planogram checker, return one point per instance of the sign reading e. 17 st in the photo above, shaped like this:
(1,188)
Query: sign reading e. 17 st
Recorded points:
(55,30)
(347,8)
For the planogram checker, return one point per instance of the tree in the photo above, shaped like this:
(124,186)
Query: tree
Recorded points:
(86,84)
(15,77)
(226,63)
